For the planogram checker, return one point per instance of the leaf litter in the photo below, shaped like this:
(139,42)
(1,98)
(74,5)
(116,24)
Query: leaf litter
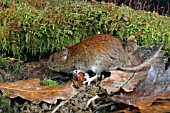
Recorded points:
(155,86)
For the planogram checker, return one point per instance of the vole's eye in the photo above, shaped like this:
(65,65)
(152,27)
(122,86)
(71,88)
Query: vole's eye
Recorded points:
(52,59)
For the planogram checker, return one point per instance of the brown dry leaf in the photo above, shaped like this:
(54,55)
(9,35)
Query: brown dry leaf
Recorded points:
(31,90)
(136,78)
(122,80)
(155,86)
(158,107)
(116,81)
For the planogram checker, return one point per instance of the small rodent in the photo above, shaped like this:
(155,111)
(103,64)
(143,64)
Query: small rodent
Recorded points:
(96,53)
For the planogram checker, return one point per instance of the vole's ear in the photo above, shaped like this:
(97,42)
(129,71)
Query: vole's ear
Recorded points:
(64,54)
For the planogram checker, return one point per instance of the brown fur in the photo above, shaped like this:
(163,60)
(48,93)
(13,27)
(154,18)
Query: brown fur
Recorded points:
(96,53)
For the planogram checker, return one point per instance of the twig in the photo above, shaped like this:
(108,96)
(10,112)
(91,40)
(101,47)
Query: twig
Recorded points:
(91,100)
(102,106)
(61,104)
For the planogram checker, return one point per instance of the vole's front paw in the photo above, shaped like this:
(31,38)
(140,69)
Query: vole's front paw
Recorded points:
(89,80)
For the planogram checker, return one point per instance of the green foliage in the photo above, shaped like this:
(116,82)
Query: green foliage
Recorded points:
(6,2)
(24,29)
(4,104)
(9,64)
(49,82)
(3,62)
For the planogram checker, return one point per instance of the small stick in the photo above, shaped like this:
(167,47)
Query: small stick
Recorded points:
(91,100)
(57,107)
(102,106)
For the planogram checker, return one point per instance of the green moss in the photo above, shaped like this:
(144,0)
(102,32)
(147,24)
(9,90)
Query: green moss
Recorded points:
(27,30)
(4,105)
(49,82)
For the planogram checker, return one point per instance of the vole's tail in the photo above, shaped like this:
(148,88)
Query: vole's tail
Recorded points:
(146,63)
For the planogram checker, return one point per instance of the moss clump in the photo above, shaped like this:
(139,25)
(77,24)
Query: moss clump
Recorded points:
(24,29)
(4,105)
(49,82)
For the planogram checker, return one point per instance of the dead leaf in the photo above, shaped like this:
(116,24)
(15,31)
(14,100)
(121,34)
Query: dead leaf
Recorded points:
(122,80)
(136,78)
(116,81)
(158,107)
(31,90)
(155,86)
